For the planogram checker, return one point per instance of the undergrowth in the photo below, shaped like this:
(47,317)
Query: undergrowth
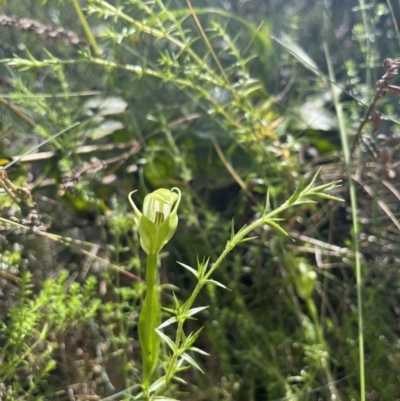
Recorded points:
(238,106)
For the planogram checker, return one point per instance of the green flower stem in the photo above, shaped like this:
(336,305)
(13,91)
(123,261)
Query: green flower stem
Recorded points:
(149,320)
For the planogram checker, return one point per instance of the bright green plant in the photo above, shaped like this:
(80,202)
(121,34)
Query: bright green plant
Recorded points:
(156,226)
(213,102)
(29,336)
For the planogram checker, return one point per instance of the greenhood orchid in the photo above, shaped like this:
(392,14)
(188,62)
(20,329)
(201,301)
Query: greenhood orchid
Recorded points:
(157,224)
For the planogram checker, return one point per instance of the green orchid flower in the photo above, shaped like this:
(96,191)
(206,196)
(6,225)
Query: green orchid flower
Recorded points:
(157,224)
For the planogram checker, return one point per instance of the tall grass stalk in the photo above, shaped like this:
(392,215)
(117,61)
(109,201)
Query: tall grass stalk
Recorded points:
(367,42)
(353,202)
(86,28)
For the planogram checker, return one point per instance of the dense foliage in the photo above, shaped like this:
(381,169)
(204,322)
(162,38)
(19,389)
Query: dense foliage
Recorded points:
(233,102)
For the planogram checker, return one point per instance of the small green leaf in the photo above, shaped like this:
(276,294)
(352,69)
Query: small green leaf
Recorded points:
(240,231)
(178,378)
(157,384)
(193,311)
(194,272)
(169,310)
(297,51)
(176,302)
(202,267)
(327,187)
(232,229)
(267,205)
(191,361)
(167,322)
(198,350)
(292,200)
(277,227)
(329,197)
(303,201)
(166,339)
(310,185)
(191,338)
(210,281)
(247,239)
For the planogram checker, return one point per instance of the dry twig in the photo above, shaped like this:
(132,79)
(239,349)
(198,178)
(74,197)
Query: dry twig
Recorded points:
(383,86)
(26,24)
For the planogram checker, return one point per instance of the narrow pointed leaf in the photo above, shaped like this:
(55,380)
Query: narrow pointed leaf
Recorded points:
(170,310)
(205,264)
(170,287)
(327,187)
(200,269)
(167,323)
(176,301)
(303,201)
(193,311)
(297,51)
(243,228)
(267,204)
(310,185)
(194,272)
(179,379)
(191,361)
(139,397)
(296,195)
(169,342)
(276,219)
(277,227)
(210,281)
(247,239)
(157,384)
(192,337)
(330,197)
(200,351)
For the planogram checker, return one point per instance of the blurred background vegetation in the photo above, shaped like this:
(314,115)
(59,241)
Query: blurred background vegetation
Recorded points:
(225,100)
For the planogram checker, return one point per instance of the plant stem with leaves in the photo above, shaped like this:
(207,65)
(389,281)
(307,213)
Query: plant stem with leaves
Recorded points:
(203,274)
(156,227)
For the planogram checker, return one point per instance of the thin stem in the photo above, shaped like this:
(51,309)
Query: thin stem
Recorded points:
(138,70)
(368,42)
(229,247)
(86,28)
(353,202)
(396,27)
(149,320)
(312,309)
(19,113)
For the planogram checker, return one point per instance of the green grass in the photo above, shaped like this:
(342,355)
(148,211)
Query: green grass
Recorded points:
(232,107)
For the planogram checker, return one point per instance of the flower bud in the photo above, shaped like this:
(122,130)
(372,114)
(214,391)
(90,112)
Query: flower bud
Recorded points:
(157,224)
(305,279)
